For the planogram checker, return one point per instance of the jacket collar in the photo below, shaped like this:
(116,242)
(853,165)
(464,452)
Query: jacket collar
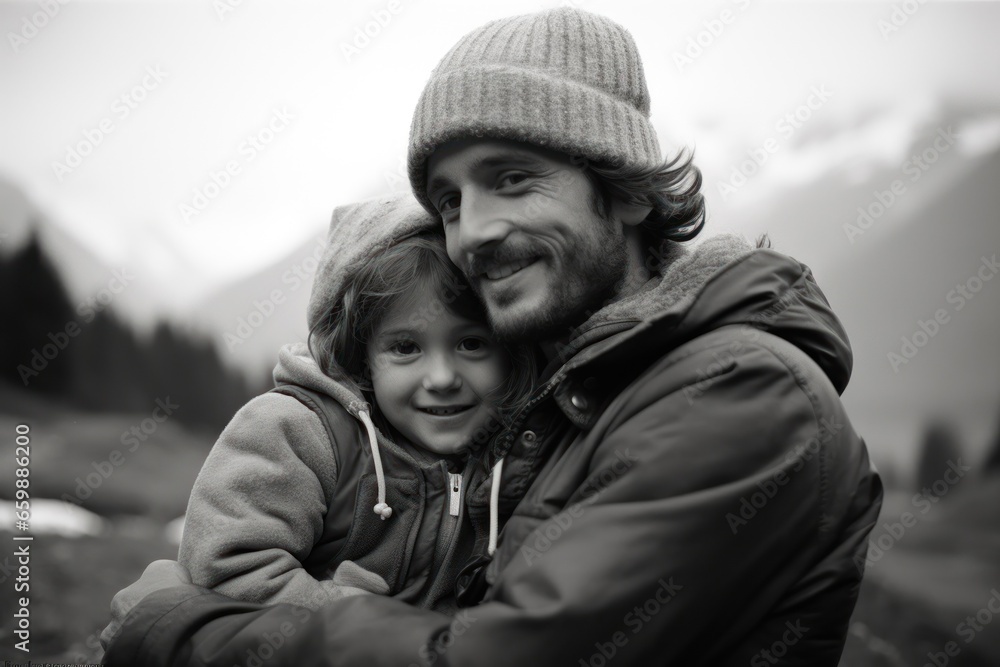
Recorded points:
(661,300)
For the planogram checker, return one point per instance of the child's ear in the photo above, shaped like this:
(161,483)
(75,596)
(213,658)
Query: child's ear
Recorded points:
(364,381)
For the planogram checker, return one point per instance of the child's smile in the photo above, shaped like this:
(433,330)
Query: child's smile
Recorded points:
(435,378)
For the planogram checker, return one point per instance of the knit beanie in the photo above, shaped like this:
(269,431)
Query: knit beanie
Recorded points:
(564,79)
(358,233)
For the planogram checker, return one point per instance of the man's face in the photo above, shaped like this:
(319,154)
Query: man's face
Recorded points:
(520,224)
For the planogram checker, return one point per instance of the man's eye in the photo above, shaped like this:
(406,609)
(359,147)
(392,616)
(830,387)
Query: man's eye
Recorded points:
(514,178)
(448,203)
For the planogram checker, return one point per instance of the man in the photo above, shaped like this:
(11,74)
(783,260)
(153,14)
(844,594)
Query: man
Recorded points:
(684,487)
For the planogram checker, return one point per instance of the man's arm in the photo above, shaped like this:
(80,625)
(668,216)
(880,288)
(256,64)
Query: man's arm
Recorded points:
(653,560)
(189,626)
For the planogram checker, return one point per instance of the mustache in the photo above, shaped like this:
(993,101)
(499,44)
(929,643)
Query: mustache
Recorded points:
(507,253)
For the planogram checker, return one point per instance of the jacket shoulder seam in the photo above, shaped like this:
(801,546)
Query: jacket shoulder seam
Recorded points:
(314,403)
(804,386)
(795,374)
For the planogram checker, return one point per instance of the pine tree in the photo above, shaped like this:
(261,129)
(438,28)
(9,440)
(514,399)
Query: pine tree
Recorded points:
(992,464)
(36,347)
(940,447)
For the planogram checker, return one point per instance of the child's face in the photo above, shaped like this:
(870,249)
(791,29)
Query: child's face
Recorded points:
(435,374)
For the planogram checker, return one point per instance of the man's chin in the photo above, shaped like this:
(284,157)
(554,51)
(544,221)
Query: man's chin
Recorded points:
(520,322)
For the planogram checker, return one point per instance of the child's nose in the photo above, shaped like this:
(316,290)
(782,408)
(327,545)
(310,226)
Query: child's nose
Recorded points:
(441,376)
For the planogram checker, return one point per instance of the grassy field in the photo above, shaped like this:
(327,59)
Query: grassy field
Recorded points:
(73,457)
(139,490)
(920,593)
(72,583)
(911,604)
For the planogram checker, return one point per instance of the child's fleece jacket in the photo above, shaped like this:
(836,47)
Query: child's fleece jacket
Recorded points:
(302,500)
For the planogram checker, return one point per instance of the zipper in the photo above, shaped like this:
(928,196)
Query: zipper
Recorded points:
(442,578)
(455,498)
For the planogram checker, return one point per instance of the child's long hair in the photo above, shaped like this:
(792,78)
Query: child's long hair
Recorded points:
(338,341)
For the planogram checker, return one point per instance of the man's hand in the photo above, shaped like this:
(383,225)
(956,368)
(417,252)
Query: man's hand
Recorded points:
(158,575)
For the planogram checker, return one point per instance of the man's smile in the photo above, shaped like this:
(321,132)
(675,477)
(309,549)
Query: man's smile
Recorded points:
(500,271)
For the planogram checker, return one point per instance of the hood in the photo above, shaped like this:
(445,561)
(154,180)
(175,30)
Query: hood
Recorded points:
(296,366)
(723,281)
(359,232)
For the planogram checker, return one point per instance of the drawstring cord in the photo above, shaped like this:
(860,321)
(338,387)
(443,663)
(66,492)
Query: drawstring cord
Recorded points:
(382,508)
(495,506)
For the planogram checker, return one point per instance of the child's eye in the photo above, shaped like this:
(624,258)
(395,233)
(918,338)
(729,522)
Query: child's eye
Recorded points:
(404,347)
(472,344)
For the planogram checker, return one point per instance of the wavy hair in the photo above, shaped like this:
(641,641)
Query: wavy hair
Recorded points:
(673,189)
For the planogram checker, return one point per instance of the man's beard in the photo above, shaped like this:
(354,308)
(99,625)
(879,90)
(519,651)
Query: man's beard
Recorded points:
(590,278)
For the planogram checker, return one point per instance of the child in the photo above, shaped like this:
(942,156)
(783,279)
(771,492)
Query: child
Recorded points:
(303,499)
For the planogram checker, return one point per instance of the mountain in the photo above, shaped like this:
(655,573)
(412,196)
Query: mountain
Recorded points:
(887,271)
(252,318)
(886,276)
(247,320)
(82,271)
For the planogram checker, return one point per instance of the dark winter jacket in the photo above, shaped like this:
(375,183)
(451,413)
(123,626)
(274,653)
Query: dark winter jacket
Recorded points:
(684,489)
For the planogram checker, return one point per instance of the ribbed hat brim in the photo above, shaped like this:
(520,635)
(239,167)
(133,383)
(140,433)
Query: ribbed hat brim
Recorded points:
(527,105)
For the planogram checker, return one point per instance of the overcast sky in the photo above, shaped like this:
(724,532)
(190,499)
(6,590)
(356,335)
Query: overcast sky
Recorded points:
(173,92)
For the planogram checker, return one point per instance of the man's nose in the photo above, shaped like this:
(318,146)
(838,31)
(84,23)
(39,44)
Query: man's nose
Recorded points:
(482,224)
(441,375)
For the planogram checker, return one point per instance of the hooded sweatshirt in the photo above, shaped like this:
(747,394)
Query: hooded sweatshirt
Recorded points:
(684,488)
(302,500)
